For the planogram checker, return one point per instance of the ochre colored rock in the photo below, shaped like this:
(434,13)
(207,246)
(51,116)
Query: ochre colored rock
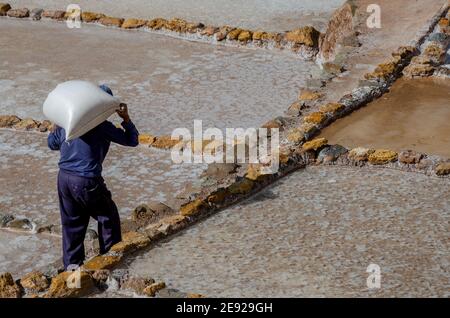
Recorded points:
(18,13)
(315,118)
(54,14)
(332,108)
(102,262)
(333,68)
(176,25)
(110,21)
(340,26)
(8,121)
(193,207)
(165,142)
(35,282)
(153,289)
(4,8)
(157,24)
(218,196)
(258,35)
(314,144)
(272,36)
(307,95)
(245,36)
(443,169)
(295,135)
(234,34)
(243,186)
(382,156)
(409,157)
(443,22)
(27,124)
(64,285)
(306,35)
(360,154)
(8,288)
(91,16)
(383,70)
(131,241)
(133,23)
(146,139)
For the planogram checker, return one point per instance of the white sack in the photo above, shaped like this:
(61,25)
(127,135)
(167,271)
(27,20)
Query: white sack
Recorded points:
(79,106)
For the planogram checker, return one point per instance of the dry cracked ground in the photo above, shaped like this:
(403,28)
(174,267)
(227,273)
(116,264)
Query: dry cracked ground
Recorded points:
(313,233)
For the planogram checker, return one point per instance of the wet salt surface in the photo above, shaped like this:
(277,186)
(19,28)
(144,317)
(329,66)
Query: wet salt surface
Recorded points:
(166,82)
(278,15)
(413,115)
(314,234)
(21,253)
(28,172)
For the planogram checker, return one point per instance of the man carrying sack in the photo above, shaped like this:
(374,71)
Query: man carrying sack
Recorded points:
(82,191)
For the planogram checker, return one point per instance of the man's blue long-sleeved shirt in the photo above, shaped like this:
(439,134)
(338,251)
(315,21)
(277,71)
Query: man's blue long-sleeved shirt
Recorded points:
(84,156)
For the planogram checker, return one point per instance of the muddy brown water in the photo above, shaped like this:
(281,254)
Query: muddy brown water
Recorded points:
(413,115)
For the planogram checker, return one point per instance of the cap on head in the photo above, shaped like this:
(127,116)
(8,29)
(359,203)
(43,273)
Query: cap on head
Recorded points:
(106,89)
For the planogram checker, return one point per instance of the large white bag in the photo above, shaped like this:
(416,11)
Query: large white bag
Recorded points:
(79,106)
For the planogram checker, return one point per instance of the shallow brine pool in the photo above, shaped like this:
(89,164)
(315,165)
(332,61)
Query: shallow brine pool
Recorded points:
(270,15)
(314,234)
(166,82)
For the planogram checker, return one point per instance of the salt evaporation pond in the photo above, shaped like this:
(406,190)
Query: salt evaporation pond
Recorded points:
(28,172)
(271,15)
(166,82)
(313,235)
(21,253)
(413,115)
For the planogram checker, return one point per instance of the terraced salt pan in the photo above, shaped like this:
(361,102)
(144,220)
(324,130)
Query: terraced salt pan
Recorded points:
(21,253)
(28,172)
(278,15)
(413,115)
(314,234)
(166,82)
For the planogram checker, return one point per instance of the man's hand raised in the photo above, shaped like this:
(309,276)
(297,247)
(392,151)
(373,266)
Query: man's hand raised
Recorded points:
(123,112)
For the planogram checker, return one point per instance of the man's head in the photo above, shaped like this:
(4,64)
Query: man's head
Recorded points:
(106,89)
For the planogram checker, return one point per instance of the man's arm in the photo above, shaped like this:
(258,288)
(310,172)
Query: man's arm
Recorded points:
(54,137)
(129,137)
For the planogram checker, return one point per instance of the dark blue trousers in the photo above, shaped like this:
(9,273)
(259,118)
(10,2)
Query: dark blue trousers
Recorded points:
(79,199)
